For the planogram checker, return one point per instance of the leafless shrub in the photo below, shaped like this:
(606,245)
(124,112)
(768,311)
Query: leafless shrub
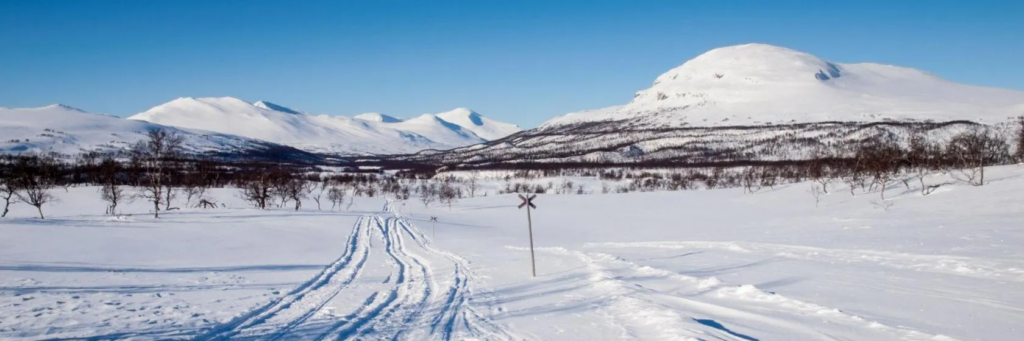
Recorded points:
(291,188)
(428,193)
(472,183)
(156,156)
(448,192)
(971,151)
(111,190)
(816,192)
(36,176)
(8,183)
(923,158)
(316,192)
(1018,152)
(336,195)
(257,186)
(201,176)
(881,161)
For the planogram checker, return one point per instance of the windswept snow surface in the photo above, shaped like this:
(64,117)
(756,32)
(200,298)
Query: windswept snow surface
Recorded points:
(700,265)
(370,133)
(757,84)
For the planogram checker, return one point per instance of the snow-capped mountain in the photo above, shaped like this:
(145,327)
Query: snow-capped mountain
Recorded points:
(275,107)
(752,102)
(486,128)
(371,133)
(376,117)
(758,84)
(70,131)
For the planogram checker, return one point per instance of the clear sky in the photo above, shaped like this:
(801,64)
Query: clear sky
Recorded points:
(519,61)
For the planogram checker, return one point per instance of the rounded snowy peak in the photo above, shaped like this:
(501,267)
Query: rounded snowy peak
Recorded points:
(376,117)
(756,84)
(752,63)
(741,69)
(462,115)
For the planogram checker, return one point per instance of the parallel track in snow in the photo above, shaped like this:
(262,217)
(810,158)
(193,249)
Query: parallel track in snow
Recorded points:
(420,299)
(305,299)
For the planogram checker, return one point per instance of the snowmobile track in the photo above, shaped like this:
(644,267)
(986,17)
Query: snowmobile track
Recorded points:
(412,302)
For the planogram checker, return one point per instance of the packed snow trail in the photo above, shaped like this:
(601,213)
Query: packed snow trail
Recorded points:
(647,303)
(393,284)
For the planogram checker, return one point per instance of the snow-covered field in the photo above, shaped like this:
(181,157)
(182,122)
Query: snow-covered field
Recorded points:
(713,265)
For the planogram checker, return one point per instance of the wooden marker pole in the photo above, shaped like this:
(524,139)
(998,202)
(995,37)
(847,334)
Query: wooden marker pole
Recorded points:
(528,202)
(433,227)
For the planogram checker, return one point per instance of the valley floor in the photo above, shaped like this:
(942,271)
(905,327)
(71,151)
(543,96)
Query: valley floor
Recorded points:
(702,264)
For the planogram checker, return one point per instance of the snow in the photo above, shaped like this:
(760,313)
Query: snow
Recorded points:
(699,264)
(439,130)
(376,117)
(755,84)
(370,133)
(67,130)
(275,107)
(486,128)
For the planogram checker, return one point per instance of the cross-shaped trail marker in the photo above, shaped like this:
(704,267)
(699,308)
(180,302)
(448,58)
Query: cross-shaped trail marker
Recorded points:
(528,203)
(433,227)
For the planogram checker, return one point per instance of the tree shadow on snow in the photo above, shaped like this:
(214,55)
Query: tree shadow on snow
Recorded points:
(719,326)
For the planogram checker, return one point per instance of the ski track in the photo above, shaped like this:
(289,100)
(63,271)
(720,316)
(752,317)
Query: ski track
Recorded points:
(456,305)
(311,290)
(647,313)
(413,303)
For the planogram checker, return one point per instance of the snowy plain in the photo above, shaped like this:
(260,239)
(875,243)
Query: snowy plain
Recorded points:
(700,264)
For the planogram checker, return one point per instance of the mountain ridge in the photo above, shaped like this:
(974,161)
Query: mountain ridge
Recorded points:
(756,84)
(750,103)
(70,131)
(370,133)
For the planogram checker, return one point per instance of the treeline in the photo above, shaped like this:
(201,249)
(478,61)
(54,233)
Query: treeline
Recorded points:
(618,144)
(868,164)
(156,169)
(157,172)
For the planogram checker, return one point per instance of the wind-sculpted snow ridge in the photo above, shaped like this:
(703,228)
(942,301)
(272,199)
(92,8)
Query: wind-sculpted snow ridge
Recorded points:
(397,286)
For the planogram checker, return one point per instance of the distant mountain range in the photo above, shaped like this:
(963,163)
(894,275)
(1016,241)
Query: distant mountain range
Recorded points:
(744,102)
(230,124)
(70,131)
(751,102)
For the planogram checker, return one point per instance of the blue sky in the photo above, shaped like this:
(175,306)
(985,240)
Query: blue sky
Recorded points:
(518,61)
